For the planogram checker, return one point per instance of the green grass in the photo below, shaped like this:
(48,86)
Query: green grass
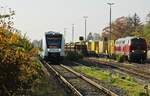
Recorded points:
(148,53)
(125,82)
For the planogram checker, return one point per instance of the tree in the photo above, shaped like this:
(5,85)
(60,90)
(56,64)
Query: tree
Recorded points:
(148,17)
(17,67)
(125,26)
(147,30)
(118,28)
(147,33)
(136,25)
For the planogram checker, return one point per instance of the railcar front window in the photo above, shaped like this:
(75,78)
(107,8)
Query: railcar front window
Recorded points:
(53,42)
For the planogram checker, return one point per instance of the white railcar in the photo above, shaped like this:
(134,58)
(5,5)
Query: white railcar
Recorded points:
(53,46)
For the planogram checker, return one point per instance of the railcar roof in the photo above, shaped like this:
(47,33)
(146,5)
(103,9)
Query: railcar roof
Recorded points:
(52,32)
(127,38)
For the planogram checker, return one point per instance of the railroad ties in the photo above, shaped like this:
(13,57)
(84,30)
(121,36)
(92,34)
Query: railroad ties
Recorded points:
(77,83)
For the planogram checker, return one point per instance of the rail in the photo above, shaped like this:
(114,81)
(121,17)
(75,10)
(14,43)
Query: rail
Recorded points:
(74,90)
(110,93)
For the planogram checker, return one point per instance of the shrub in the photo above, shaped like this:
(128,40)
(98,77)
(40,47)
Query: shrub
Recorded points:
(120,58)
(113,56)
(18,68)
(72,55)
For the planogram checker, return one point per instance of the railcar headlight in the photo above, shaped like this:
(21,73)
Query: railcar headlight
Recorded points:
(59,49)
(144,51)
(132,50)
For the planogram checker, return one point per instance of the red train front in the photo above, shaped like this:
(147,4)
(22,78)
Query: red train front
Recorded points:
(132,48)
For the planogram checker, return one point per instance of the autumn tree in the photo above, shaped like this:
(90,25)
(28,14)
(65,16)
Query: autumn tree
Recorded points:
(17,66)
(124,26)
(148,17)
(118,28)
(136,25)
(147,30)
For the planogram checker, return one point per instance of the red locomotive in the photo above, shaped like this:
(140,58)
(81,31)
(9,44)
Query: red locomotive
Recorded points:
(132,48)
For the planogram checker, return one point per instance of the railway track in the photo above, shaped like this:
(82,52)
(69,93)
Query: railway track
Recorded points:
(141,73)
(77,83)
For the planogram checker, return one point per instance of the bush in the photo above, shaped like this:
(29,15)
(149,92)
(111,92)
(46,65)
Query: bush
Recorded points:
(113,56)
(72,55)
(120,58)
(18,68)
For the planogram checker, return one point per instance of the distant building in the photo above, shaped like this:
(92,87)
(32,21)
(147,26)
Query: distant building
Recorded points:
(37,44)
(89,37)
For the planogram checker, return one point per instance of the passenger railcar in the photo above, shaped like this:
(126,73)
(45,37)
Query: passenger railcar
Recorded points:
(133,48)
(53,46)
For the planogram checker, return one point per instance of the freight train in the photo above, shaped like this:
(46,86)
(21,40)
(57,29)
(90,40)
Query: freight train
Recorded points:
(79,47)
(130,48)
(53,46)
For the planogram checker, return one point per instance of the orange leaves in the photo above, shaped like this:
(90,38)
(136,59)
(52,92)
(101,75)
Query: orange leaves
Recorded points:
(34,51)
(14,37)
(1,37)
(16,58)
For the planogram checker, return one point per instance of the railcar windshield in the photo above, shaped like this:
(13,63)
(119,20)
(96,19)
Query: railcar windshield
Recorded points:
(138,44)
(53,41)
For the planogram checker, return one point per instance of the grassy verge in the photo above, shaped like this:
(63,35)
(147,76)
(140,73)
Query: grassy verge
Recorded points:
(109,60)
(125,82)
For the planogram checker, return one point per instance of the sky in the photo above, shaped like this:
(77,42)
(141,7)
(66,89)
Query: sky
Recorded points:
(34,17)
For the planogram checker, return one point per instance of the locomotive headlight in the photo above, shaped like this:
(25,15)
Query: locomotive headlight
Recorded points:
(53,50)
(144,51)
(132,50)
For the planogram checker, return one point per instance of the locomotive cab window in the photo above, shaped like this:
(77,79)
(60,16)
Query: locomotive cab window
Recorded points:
(138,43)
(53,41)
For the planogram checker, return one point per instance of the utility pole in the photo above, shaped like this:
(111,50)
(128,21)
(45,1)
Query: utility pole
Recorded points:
(65,33)
(72,33)
(85,17)
(110,4)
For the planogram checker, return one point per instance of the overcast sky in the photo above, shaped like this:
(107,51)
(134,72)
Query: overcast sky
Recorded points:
(35,17)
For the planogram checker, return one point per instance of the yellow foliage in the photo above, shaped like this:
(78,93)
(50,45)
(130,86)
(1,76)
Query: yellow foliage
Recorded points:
(1,37)
(14,37)
(15,61)
(34,51)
